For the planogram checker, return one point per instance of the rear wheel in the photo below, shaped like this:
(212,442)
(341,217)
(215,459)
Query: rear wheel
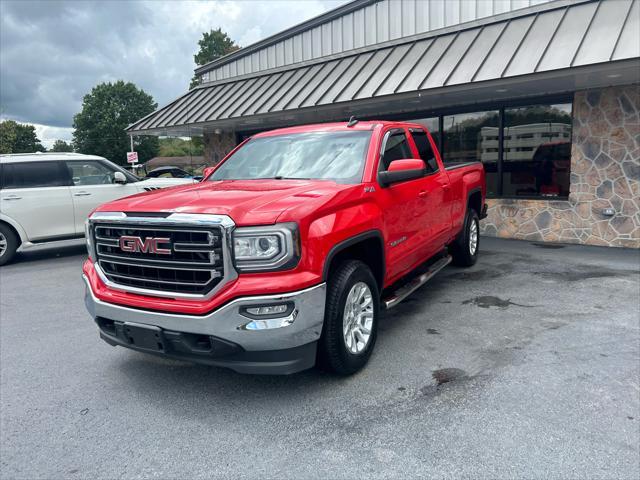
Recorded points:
(8,244)
(351,319)
(464,249)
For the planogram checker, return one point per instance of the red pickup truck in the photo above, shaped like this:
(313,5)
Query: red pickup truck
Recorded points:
(285,254)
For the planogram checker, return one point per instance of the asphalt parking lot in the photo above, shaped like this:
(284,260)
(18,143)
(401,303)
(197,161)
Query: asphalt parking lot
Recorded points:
(526,365)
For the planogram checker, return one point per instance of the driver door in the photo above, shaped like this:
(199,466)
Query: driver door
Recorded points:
(93,185)
(404,209)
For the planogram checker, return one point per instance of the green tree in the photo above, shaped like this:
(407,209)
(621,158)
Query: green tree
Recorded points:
(179,147)
(61,146)
(7,136)
(106,112)
(213,45)
(18,138)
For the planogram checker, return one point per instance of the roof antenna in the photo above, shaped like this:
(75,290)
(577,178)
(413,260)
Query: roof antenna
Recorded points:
(352,122)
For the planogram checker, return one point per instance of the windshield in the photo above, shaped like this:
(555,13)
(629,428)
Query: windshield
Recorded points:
(337,156)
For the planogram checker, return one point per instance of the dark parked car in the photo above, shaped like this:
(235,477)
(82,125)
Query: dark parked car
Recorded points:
(171,172)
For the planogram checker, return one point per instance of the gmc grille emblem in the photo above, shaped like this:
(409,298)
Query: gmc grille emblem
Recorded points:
(148,245)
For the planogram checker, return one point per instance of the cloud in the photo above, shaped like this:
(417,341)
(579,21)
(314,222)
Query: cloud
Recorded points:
(48,135)
(53,52)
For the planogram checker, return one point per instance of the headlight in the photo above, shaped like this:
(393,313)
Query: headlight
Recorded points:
(89,239)
(266,248)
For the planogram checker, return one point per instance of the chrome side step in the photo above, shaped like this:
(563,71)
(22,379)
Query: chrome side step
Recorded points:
(406,290)
(70,242)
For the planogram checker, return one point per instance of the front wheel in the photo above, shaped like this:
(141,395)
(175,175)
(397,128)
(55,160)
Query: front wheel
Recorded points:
(351,319)
(464,249)
(8,244)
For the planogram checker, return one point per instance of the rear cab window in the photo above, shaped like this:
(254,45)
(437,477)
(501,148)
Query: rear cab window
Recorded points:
(34,175)
(425,149)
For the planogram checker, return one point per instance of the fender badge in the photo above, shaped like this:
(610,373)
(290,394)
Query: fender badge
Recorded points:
(397,242)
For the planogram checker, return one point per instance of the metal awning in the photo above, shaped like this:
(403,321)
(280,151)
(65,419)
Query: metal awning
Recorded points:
(562,48)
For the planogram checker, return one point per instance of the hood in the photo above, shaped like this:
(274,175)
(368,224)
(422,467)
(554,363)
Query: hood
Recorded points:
(247,202)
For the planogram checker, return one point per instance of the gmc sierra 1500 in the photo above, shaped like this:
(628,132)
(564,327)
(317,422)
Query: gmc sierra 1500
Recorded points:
(287,251)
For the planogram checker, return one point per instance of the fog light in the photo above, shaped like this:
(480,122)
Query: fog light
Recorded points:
(267,310)
(264,317)
(270,323)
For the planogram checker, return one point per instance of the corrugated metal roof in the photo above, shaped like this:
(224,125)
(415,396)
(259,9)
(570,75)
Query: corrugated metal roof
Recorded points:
(362,23)
(571,36)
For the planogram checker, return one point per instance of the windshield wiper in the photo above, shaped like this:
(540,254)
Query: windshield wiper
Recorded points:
(280,177)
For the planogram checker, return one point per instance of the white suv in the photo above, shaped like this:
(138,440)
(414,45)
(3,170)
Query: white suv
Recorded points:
(46,197)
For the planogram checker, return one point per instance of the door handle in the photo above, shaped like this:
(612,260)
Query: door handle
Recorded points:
(423,194)
(81,194)
(12,197)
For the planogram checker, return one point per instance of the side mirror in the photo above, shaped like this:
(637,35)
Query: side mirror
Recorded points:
(401,171)
(207,171)
(119,177)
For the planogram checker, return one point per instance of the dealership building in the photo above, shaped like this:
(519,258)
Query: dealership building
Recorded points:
(545,93)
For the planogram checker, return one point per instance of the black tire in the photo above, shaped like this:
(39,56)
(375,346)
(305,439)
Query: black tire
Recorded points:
(333,353)
(461,248)
(8,244)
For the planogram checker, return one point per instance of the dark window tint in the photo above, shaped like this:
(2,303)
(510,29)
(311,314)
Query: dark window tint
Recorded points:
(424,149)
(472,137)
(537,151)
(395,148)
(433,126)
(34,174)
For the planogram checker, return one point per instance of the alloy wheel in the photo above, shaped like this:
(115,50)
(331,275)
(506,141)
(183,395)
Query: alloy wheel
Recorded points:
(358,318)
(3,244)
(473,237)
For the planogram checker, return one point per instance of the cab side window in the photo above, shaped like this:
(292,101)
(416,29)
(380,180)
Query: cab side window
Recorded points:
(90,173)
(33,175)
(396,147)
(423,145)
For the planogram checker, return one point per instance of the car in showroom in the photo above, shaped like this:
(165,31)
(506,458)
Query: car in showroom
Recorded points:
(46,197)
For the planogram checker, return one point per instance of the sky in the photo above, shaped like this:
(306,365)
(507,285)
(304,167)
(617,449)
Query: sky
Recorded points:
(53,52)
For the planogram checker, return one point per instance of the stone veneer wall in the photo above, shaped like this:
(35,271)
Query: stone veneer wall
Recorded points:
(216,146)
(605,173)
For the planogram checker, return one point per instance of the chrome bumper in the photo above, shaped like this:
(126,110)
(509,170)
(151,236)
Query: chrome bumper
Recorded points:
(227,323)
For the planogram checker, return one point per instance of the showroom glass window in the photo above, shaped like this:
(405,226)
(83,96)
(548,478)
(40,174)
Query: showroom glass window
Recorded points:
(471,137)
(537,151)
(525,149)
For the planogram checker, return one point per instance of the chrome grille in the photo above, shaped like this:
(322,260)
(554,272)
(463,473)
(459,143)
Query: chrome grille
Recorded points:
(194,265)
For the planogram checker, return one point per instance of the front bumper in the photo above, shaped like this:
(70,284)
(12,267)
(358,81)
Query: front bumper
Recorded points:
(286,349)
